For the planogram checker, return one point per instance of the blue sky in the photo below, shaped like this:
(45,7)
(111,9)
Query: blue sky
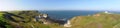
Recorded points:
(60,4)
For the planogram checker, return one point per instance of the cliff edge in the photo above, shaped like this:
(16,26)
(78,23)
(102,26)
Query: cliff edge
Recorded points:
(99,20)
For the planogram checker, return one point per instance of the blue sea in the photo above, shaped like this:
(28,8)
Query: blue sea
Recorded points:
(68,14)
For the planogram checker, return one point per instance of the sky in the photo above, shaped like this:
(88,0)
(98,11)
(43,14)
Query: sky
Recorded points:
(6,5)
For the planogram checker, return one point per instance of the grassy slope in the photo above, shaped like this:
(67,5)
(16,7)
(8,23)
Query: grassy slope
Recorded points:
(27,16)
(3,22)
(101,21)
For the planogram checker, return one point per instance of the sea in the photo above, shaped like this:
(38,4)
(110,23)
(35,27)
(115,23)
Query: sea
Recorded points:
(68,14)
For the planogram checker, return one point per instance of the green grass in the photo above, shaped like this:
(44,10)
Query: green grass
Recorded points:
(27,16)
(102,21)
(3,21)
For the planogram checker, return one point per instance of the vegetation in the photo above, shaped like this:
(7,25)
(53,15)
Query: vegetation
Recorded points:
(3,22)
(101,20)
(25,19)
(22,19)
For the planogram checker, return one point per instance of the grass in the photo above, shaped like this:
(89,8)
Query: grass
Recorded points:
(27,16)
(102,21)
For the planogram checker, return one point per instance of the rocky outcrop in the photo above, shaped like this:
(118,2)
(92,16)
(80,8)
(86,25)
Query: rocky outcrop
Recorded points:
(47,20)
(67,24)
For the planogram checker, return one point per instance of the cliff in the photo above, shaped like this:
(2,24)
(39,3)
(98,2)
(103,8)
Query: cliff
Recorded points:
(27,19)
(99,20)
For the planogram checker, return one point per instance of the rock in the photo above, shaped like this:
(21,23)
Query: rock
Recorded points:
(68,24)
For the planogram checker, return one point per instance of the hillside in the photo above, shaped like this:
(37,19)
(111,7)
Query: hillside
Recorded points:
(100,20)
(26,19)
(22,19)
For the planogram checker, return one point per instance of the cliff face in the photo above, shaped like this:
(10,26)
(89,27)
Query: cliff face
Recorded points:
(100,20)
